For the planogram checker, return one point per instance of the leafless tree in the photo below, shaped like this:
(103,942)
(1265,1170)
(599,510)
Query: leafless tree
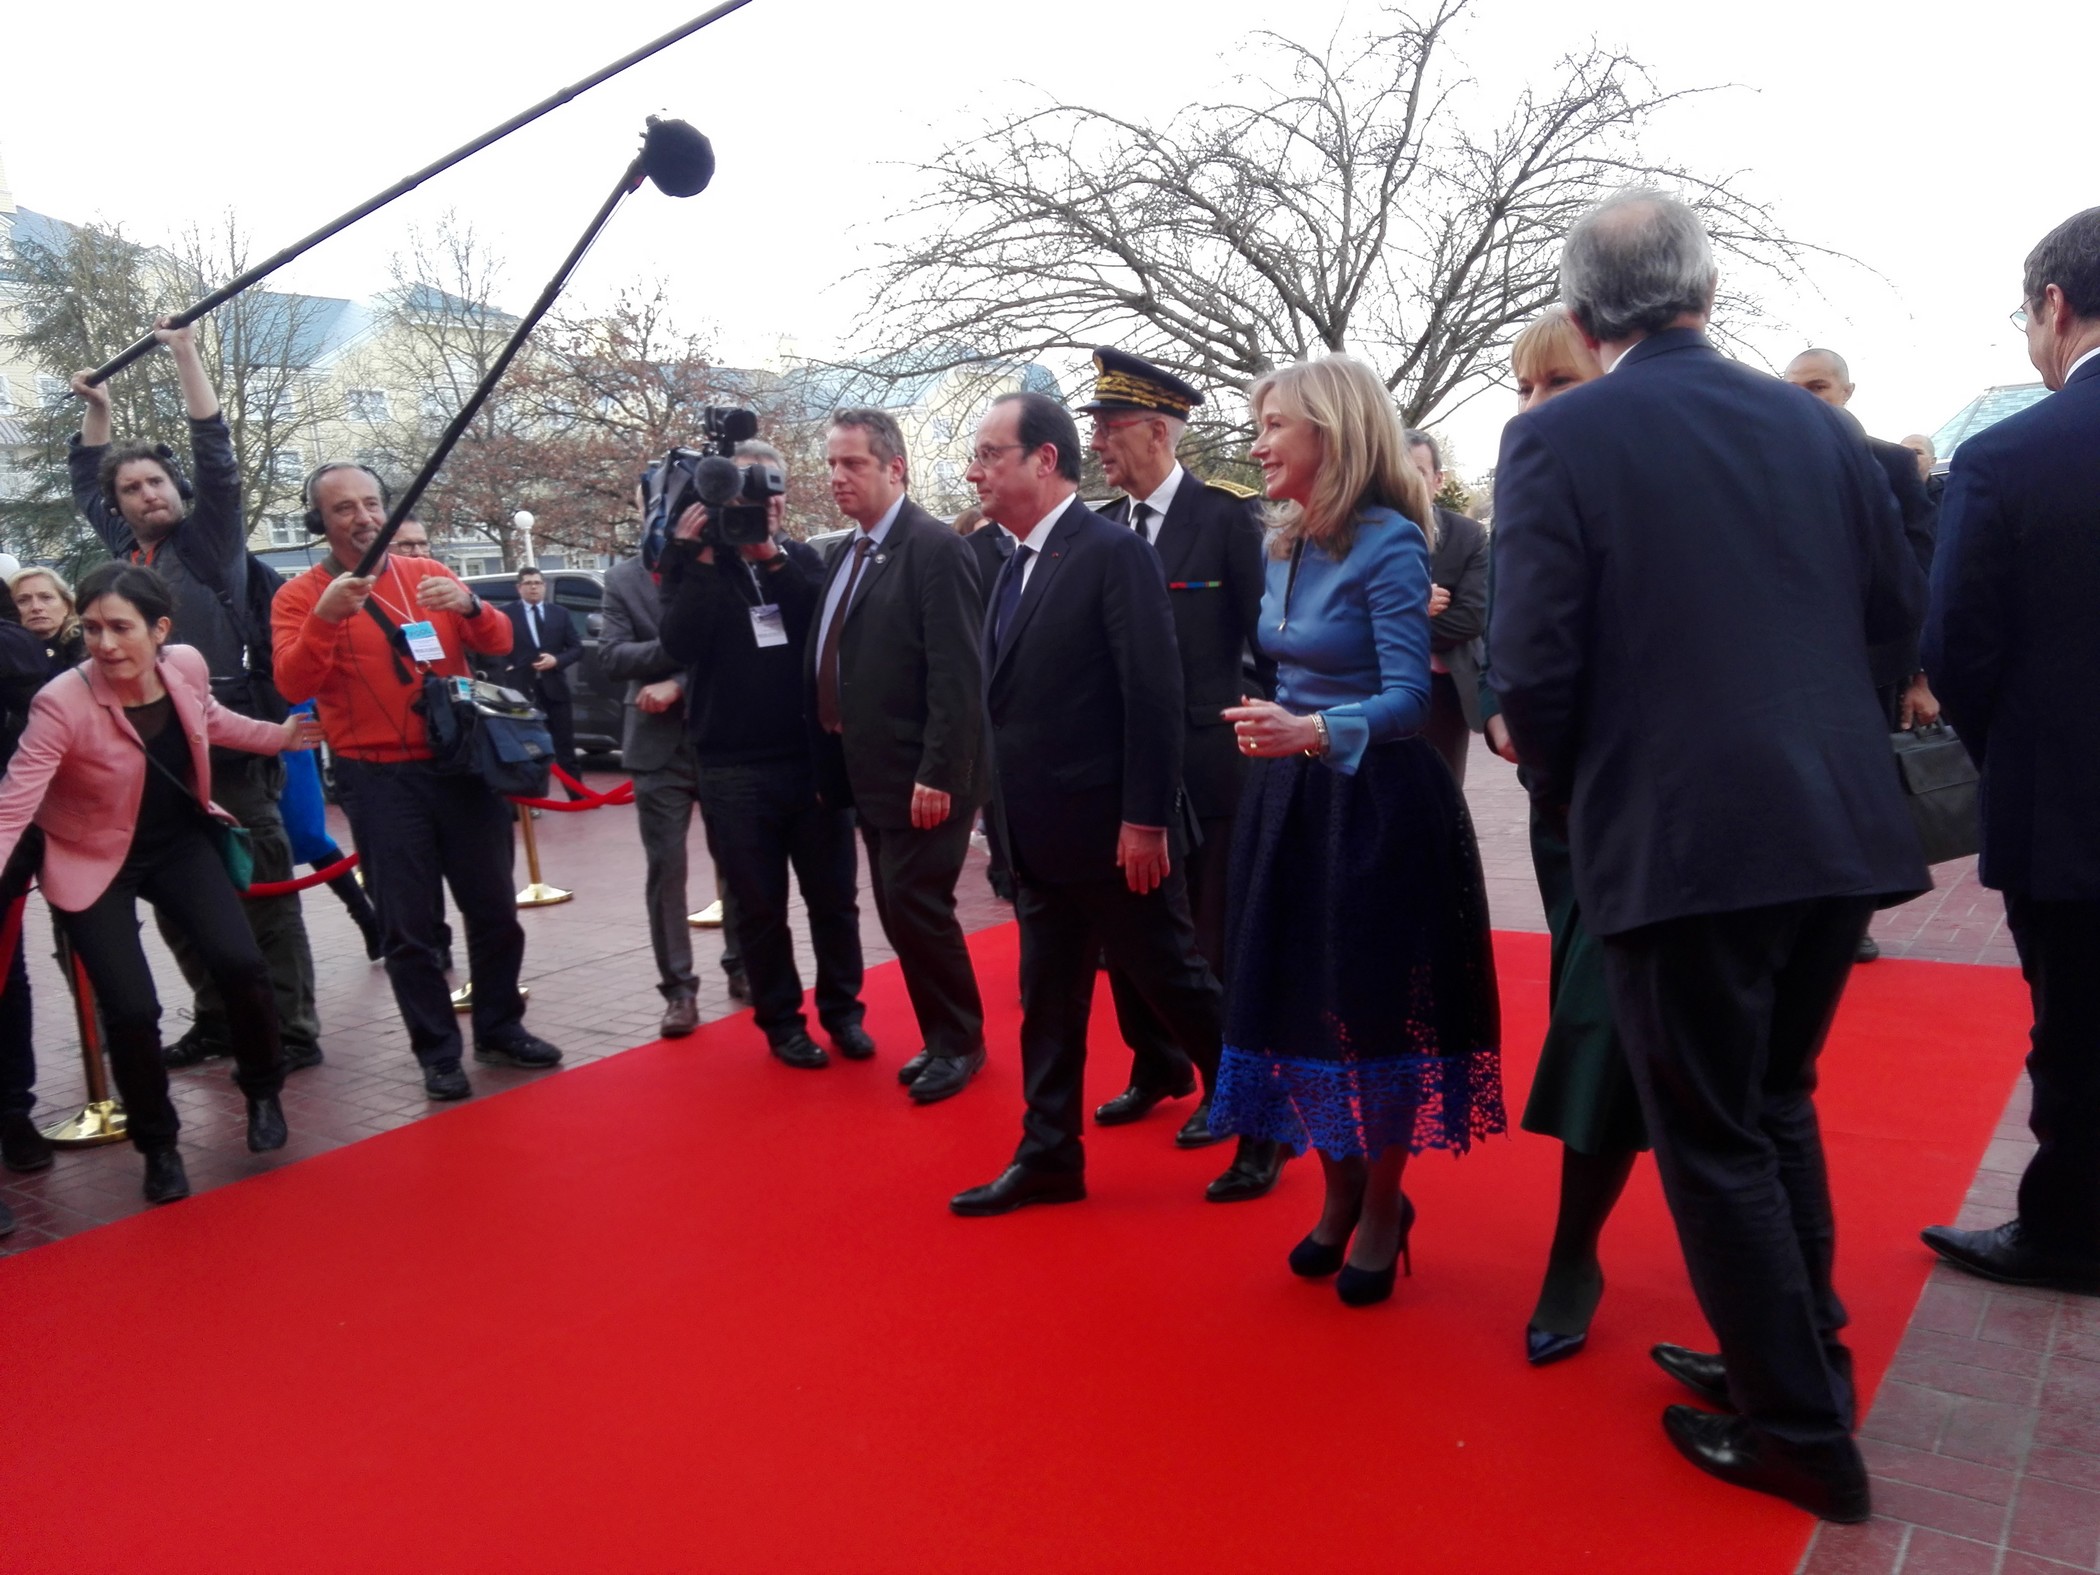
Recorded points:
(1341,198)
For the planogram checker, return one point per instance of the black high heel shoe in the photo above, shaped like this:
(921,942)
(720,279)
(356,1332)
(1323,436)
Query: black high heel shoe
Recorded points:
(1543,1347)
(1313,1259)
(1367,1287)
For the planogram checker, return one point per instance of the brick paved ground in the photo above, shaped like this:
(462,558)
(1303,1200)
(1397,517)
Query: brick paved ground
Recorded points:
(1985,1439)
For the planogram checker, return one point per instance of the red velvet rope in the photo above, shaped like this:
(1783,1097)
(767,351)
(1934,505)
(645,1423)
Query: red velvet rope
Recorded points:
(623,794)
(321,877)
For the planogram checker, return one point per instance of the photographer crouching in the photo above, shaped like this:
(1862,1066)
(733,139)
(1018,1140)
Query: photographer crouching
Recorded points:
(738,600)
(358,646)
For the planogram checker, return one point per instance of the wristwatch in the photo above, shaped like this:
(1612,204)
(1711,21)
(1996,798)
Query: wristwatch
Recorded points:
(474,606)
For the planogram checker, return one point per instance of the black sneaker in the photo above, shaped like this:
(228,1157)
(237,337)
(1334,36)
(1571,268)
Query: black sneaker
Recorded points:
(166,1180)
(525,1050)
(446,1080)
(297,1058)
(23,1148)
(193,1049)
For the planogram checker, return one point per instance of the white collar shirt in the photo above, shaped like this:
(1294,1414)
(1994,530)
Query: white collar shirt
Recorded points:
(1039,538)
(1159,502)
(874,534)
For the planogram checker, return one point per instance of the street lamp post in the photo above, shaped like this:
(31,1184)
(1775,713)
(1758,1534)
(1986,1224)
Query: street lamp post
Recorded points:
(528,555)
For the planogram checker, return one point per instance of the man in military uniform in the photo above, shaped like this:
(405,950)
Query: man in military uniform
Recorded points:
(1208,535)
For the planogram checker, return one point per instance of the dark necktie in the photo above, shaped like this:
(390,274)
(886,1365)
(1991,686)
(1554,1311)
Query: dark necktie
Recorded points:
(1010,591)
(828,716)
(1138,516)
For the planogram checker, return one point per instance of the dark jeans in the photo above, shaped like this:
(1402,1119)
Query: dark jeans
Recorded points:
(1722,1016)
(763,819)
(420,830)
(1149,938)
(2060,955)
(17,1044)
(187,883)
(913,875)
(247,788)
(1156,1061)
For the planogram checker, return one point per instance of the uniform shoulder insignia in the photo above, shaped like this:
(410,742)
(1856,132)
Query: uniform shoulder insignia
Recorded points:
(1232,487)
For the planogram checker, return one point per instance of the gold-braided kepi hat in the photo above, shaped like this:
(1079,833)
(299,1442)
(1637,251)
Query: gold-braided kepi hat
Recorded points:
(1124,382)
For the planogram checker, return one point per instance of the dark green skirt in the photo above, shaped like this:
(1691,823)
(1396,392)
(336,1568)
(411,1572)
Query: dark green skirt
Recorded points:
(1583,1092)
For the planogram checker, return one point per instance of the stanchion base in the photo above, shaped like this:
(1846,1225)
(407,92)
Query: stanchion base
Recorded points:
(463,997)
(708,918)
(540,895)
(99,1122)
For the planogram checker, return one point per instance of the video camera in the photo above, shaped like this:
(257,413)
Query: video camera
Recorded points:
(738,497)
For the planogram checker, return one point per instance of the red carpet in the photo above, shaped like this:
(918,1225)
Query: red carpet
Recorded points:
(690,1310)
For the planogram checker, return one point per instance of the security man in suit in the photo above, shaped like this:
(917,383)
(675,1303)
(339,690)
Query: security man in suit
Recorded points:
(1682,662)
(2011,624)
(1208,535)
(1458,605)
(544,646)
(896,695)
(1084,695)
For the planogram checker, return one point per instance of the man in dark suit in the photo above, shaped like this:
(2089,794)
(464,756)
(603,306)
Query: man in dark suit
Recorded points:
(1208,535)
(896,695)
(1682,664)
(1458,604)
(2011,626)
(657,749)
(1083,694)
(544,646)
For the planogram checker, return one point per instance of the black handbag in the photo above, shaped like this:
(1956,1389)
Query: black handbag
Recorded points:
(1939,783)
(476,728)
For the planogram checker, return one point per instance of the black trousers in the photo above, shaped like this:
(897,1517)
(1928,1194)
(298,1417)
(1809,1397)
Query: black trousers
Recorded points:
(2059,946)
(1156,1061)
(1150,938)
(763,820)
(185,880)
(913,875)
(561,724)
(1722,1016)
(420,830)
(1446,728)
(17,1044)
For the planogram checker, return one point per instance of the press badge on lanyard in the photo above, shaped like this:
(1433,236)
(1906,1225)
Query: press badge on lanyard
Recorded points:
(423,642)
(768,628)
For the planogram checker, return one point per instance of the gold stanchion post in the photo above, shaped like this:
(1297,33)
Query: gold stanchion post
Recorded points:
(538,894)
(101,1119)
(463,997)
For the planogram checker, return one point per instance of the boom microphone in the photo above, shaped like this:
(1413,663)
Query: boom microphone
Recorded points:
(676,158)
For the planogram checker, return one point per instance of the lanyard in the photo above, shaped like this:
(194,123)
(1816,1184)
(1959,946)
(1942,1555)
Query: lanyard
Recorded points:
(401,613)
(1290,583)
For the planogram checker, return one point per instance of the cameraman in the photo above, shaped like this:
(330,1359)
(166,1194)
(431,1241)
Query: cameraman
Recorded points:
(195,538)
(738,618)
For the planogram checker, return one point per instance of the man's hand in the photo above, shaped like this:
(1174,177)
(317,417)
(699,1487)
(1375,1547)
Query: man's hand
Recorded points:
(1499,740)
(543,663)
(1921,707)
(1439,599)
(691,523)
(1141,854)
(180,341)
(346,593)
(442,593)
(302,730)
(929,806)
(653,699)
(96,394)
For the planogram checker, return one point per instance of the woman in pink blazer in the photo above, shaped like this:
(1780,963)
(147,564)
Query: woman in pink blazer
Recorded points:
(115,768)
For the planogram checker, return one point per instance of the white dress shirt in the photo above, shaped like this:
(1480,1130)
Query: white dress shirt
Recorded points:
(1159,502)
(1039,538)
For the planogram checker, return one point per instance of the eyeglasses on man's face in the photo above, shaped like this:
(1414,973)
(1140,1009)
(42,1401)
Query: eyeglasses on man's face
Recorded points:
(986,455)
(2019,319)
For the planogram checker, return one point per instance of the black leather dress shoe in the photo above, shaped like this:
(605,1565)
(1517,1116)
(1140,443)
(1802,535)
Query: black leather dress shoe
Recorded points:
(1827,1480)
(22,1147)
(799,1050)
(1016,1188)
(1869,950)
(1702,1372)
(1252,1173)
(853,1042)
(1135,1103)
(945,1076)
(445,1080)
(908,1073)
(2008,1255)
(166,1180)
(193,1049)
(524,1050)
(1195,1132)
(266,1129)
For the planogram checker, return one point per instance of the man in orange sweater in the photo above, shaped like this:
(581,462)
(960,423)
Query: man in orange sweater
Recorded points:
(418,828)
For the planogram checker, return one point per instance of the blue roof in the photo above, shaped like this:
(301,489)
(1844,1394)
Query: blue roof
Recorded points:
(1987,409)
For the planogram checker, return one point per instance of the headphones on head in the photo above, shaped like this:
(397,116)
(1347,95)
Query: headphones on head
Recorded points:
(166,456)
(314,525)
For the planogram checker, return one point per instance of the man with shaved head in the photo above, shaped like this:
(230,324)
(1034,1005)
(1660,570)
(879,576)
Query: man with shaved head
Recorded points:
(1921,445)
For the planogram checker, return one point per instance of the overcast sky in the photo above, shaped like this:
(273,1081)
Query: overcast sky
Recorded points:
(1934,142)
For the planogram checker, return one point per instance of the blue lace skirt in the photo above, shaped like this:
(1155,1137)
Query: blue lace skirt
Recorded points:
(1360,981)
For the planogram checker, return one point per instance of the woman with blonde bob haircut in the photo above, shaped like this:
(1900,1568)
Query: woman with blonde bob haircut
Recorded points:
(44,604)
(1361,1016)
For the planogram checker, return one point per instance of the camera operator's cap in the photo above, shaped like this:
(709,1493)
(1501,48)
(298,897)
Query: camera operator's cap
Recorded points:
(1124,382)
